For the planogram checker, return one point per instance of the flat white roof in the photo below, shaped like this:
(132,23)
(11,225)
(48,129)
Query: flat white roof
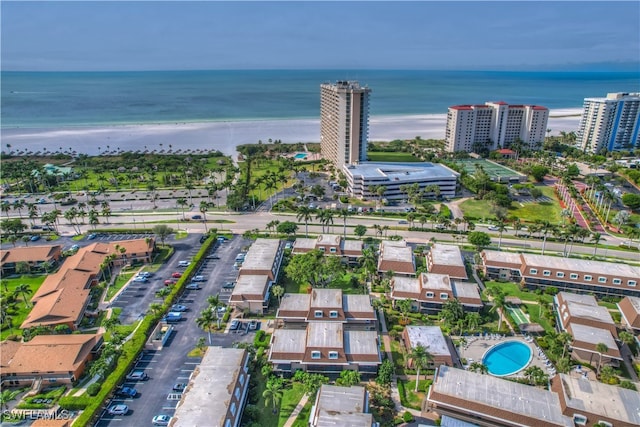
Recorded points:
(397,173)
(447,255)
(602,399)
(357,303)
(466,290)
(352,245)
(289,341)
(499,393)
(326,298)
(261,255)
(329,240)
(361,342)
(582,265)
(406,284)
(430,337)
(506,257)
(342,406)
(325,335)
(596,313)
(440,282)
(592,335)
(250,284)
(588,300)
(395,252)
(304,243)
(294,302)
(206,399)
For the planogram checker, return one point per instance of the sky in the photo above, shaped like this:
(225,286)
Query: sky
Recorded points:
(172,35)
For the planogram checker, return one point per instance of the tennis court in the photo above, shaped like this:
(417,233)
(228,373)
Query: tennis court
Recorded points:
(517,314)
(495,171)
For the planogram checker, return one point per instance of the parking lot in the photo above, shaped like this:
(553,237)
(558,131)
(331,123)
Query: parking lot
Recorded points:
(171,365)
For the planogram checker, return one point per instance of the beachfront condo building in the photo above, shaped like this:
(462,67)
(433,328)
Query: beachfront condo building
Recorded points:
(611,123)
(495,125)
(344,122)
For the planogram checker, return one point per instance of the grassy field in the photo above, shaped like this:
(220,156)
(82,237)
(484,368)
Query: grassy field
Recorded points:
(343,283)
(290,398)
(512,289)
(533,311)
(527,212)
(383,156)
(18,313)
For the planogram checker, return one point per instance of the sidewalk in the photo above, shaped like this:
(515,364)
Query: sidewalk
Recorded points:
(296,411)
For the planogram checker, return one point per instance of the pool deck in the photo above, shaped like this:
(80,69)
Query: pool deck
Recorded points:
(477,346)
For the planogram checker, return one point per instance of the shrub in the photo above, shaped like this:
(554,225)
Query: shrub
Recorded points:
(94,389)
(407,417)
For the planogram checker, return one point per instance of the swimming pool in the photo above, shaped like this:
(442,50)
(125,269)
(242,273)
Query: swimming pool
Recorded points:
(507,358)
(300,156)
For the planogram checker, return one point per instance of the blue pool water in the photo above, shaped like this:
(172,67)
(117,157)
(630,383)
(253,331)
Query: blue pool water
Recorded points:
(507,358)
(300,156)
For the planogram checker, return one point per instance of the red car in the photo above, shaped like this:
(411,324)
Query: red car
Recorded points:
(169,282)
(176,275)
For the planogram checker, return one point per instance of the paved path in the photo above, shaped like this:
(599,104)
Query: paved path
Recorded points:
(296,411)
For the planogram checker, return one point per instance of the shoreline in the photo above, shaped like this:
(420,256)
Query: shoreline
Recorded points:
(226,135)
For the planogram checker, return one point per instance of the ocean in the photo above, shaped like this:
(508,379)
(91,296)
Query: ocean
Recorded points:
(67,99)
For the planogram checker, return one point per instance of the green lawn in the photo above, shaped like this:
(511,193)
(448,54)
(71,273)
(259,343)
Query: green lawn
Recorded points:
(343,283)
(290,399)
(383,156)
(18,311)
(527,212)
(512,289)
(410,398)
(533,311)
(303,417)
(121,280)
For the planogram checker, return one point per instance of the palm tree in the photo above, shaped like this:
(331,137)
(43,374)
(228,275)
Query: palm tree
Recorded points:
(24,290)
(304,213)
(182,202)
(204,206)
(498,305)
(206,321)
(420,358)
(565,339)
(478,367)
(344,213)
(595,237)
(501,228)
(215,304)
(278,291)
(601,348)
(273,393)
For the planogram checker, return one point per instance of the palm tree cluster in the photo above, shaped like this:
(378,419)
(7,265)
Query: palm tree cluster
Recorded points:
(211,316)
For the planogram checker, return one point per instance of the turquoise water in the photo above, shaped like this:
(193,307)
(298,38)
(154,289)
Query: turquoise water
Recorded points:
(59,99)
(507,358)
(300,156)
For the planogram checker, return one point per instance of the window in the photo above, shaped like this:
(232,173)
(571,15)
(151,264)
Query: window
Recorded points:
(533,271)
(333,355)
(333,314)
(444,295)
(580,420)
(237,393)
(632,282)
(241,379)
(573,276)
(546,273)
(315,355)
(321,248)
(318,313)
(605,423)
(233,409)
(332,250)
(602,280)
(559,274)
(616,281)
(587,278)
(429,294)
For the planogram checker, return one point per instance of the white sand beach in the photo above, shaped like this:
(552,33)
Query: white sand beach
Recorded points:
(225,136)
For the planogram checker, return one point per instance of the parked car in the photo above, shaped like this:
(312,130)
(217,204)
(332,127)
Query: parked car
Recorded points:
(169,282)
(140,279)
(288,245)
(145,274)
(74,248)
(176,275)
(179,387)
(199,279)
(253,325)
(184,263)
(126,392)
(118,410)
(493,228)
(161,420)
(137,375)
(36,227)
(213,257)
(235,324)
(196,217)
(92,236)
(229,285)
(35,237)
(172,317)
(193,286)
(179,307)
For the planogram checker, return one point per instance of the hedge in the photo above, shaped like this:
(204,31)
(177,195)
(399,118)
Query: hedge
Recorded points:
(91,406)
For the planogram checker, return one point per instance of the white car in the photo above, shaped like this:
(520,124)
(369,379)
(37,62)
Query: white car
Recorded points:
(161,420)
(118,410)
(199,279)
(184,264)
(493,228)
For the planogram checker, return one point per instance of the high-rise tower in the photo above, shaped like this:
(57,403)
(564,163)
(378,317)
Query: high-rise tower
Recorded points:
(344,122)
(611,123)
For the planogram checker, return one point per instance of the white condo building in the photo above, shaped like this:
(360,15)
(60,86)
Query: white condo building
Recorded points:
(344,122)
(495,125)
(611,123)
